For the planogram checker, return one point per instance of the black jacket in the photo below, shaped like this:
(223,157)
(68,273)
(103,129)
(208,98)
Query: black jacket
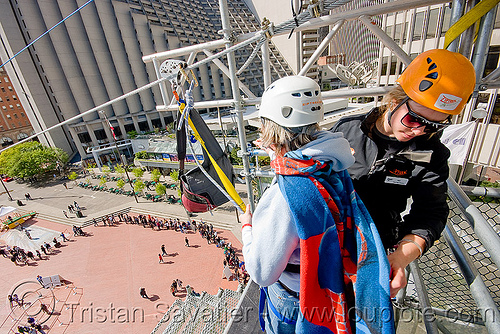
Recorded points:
(385,180)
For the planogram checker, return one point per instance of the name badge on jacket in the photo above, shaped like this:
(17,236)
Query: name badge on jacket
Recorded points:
(396,180)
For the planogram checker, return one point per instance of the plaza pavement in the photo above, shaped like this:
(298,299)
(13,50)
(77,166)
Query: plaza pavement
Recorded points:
(107,268)
(51,198)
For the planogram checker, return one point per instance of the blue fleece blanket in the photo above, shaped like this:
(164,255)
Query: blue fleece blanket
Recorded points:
(344,272)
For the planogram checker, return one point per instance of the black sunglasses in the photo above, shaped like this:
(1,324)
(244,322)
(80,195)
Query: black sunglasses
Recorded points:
(413,120)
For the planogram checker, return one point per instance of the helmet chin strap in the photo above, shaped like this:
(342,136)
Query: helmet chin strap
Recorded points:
(389,117)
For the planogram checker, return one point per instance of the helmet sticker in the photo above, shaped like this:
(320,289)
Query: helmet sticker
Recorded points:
(447,102)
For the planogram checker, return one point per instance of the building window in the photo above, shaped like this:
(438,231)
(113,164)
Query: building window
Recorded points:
(6,141)
(419,24)
(19,107)
(11,106)
(432,23)
(446,20)
(21,136)
(100,134)
(10,88)
(3,89)
(6,79)
(84,137)
(1,100)
(15,116)
(14,97)
(8,116)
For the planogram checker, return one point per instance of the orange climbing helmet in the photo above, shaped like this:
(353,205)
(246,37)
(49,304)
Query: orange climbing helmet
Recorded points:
(440,80)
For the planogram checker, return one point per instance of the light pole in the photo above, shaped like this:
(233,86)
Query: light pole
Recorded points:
(121,157)
(3,184)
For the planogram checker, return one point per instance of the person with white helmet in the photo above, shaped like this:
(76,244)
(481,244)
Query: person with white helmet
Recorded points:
(308,232)
(399,155)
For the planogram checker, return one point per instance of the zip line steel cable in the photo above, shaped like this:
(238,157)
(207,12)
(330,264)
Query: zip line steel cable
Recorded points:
(301,18)
(287,25)
(45,33)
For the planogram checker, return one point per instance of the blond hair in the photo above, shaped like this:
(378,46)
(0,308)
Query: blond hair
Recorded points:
(284,138)
(396,94)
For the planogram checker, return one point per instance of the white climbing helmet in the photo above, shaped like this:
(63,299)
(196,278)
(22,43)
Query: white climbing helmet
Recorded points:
(292,101)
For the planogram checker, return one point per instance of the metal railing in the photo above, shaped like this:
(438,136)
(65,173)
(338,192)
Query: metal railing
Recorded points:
(460,272)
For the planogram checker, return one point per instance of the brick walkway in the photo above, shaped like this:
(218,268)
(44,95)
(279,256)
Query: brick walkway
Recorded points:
(113,263)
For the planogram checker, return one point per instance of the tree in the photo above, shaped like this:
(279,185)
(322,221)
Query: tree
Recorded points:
(132,134)
(31,159)
(234,158)
(103,181)
(73,176)
(119,169)
(174,175)
(106,170)
(155,175)
(138,172)
(120,184)
(161,189)
(142,155)
(138,186)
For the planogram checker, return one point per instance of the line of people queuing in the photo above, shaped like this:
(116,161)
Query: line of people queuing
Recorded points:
(18,255)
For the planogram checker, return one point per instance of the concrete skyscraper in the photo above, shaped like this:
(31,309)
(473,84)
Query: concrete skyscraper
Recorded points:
(95,56)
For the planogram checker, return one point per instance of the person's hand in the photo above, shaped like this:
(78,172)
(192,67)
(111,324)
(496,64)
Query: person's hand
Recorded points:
(246,218)
(406,252)
(398,276)
(269,150)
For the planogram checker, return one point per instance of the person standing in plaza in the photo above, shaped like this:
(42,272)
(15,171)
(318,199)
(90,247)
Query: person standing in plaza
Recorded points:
(143,293)
(163,251)
(65,214)
(160,259)
(186,240)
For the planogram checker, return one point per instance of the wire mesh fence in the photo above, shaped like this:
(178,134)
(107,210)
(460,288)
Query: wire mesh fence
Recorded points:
(444,282)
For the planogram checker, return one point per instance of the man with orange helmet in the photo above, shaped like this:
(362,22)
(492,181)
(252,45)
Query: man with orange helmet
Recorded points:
(399,155)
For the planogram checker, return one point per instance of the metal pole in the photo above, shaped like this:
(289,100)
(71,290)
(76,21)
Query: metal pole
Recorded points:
(386,40)
(479,55)
(457,10)
(266,64)
(486,234)
(321,47)
(226,71)
(121,157)
(354,14)
(185,50)
(298,36)
(483,42)
(3,184)
(486,305)
(226,28)
(423,298)
(163,87)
